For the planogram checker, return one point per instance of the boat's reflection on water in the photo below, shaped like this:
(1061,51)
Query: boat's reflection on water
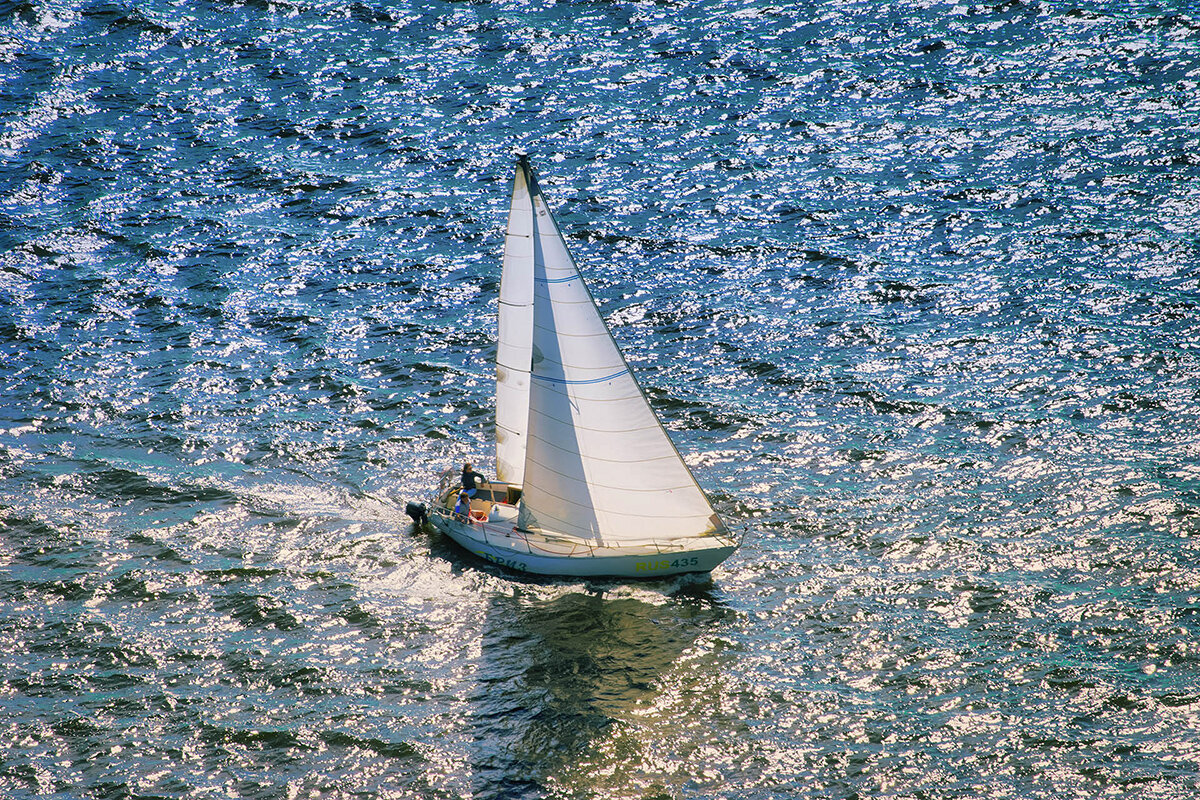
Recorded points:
(559,677)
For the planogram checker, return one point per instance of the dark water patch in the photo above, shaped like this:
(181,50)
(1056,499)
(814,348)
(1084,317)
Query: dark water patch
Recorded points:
(766,372)
(132,588)
(899,292)
(986,600)
(871,400)
(159,550)
(117,18)
(257,611)
(71,590)
(856,455)
(389,681)
(114,482)
(252,739)
(695,415)
(391,750)
(1177,700)
(246,671)
(252,574)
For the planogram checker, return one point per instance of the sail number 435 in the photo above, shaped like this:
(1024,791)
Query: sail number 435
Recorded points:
(654,566)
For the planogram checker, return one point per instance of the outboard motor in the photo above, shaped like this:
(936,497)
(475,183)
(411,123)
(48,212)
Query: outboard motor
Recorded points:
(417,512)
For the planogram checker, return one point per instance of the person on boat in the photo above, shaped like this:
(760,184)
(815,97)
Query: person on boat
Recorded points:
(469,477)
(463,510)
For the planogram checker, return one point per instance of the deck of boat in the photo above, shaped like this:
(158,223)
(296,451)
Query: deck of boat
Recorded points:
(487,495)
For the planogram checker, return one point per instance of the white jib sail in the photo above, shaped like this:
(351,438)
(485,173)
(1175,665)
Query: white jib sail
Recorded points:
(598,464)
(515,337)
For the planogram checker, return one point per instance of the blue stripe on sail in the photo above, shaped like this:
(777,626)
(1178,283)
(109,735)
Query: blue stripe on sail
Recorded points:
(556,280)
(579,383)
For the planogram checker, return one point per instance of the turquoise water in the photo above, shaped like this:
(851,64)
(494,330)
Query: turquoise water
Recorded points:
(915,286)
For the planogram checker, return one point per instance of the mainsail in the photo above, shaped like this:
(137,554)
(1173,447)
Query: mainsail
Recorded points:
(597,462)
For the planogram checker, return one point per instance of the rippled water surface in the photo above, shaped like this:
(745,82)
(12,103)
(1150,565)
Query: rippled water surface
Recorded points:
(915,285)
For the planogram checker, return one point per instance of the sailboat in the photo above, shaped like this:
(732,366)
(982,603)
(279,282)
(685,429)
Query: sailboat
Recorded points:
(588,483)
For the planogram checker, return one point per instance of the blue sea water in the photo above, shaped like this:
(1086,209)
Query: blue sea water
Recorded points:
(914,285)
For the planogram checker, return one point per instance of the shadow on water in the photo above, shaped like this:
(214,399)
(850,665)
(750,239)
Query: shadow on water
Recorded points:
(557,677)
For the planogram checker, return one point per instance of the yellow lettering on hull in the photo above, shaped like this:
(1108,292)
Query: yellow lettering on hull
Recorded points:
(656,566)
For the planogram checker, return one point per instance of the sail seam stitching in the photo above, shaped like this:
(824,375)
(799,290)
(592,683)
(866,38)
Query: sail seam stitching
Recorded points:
(580,383)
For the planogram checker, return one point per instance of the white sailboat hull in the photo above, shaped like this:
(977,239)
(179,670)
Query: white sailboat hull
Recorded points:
(523,551)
